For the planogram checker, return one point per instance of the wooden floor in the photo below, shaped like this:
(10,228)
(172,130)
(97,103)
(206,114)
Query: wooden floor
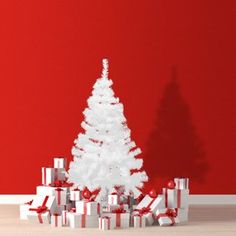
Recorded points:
(203,220)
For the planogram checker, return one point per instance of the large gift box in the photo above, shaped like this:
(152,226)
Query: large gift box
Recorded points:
(75,195)
(59,162)
(152,203)
(167,217)
(181,183)
(24,208)
(119,218)
(50,175)
(104,223)
(139,221)
(59,192)
(87,207)
(43,202)
(56,220)
(176,198)
(83,221)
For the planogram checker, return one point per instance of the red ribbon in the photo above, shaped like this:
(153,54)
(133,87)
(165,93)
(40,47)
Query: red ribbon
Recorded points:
(29,203)
(143,211)
(41,209)
(60,183)
(118,212)
(170,213)
(108,219)
(56,219)
(59,190)
(178,197)
(83,221)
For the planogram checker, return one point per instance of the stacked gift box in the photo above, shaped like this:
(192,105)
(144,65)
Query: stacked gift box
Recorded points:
(60,204)
(52,197)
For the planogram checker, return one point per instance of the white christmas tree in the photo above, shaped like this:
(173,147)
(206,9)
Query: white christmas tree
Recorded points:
(104,155)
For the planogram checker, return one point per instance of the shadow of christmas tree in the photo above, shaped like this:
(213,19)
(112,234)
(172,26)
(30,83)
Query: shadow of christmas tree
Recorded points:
(174,148)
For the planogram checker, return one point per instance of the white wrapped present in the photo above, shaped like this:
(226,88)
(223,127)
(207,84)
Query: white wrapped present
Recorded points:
(176,198)
(167,217)
(88,207)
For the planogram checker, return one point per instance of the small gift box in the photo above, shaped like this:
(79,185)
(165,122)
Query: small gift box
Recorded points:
(181,183)
(114,199)
(167,217)
(139,221)
(56,220)
(147,214)
(104,223)
(176,198)
(50,175)
(83,221)
(24,208)
(66,216)
(59,162)
(119,218)
(75,195)
(87,207)
(46,203)
(182,214)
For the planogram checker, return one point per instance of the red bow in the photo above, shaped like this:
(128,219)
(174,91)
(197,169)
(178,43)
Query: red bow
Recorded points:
(171,213)
(60,183)
(39,209)
(56,214)
(72,210)
(29,203)
(119,210)
(59,189)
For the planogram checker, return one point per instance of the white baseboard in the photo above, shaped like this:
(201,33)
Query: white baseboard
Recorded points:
(194,199)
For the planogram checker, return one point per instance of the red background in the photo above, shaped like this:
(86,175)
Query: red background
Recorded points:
(50,56)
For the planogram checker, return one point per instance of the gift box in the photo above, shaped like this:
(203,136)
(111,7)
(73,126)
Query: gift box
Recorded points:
(182,214)
(147,214)
(88,207)
(66,216)
(152,203)
(56,220)
(176,198)
(61,193)
(139,221)
(167,217)
(181,183)
(42,217)
(83,221)
(24,208)
(43,202)
(113,207)
(59,162)
(114,199)
(118,218)
(104,223)
(50,175)
(75,195)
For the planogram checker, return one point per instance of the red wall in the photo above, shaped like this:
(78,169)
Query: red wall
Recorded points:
(50,56)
